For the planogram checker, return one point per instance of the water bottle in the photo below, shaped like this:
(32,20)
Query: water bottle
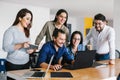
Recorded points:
(3,75)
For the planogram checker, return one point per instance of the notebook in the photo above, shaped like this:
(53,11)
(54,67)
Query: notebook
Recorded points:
(38,74)
(84,59)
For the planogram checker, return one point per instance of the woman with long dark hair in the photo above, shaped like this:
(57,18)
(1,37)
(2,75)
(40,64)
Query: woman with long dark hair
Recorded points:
(16,41)
(60,22)
(76,44)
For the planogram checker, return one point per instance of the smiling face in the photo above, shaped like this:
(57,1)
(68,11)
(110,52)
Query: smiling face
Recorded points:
(26,20)
(76,39)
(61,18)
(60,39)
(99,25)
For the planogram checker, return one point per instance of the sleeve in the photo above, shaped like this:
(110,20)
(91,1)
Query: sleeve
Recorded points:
(88,37)
(111,41)
(67,36)
(41,34)
(67,56)
(8,41)
(42,55)
(83,47)
(68,49)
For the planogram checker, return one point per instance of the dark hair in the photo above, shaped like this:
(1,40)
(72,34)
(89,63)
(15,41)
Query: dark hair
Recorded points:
(99,17)
(21,14)
(73,34)
(56,31)
(58,13)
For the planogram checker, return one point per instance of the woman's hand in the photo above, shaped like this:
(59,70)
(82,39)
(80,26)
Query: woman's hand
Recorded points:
(21,45)
(26,44)
(30,51)
(112,61)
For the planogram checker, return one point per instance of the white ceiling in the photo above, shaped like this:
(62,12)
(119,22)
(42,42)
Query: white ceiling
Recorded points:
(75,8)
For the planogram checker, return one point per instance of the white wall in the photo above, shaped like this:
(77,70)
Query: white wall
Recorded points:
(80,24)
(8,12)
(116,22)
(72,21)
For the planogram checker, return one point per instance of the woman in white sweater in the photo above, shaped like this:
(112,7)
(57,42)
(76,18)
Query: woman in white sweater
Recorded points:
(16,40)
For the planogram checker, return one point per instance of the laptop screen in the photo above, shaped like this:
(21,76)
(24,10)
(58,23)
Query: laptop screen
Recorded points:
(83,59)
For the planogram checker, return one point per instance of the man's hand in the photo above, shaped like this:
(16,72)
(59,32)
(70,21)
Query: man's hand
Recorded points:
(56,67)
(72,61)
(112,61)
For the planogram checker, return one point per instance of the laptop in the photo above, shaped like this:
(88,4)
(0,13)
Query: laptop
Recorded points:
(38,74)
(84,59)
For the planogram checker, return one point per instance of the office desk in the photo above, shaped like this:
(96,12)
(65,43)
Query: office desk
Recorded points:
(109,72)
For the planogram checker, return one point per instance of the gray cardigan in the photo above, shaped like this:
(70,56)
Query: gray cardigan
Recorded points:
(11,37)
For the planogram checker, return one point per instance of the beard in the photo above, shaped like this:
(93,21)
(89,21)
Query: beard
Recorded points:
(59,44)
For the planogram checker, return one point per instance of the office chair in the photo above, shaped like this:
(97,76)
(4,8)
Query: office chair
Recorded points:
(118,77)
(33,59)
(117,53)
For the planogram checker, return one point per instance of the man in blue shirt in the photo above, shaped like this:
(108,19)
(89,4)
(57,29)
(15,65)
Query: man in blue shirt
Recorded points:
(56,48)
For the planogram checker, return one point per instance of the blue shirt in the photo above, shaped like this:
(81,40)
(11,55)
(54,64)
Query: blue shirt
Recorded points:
(48,50)
(80,47)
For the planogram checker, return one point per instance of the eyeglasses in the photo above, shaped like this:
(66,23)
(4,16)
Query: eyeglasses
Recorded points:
(98,23)
(76,38)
